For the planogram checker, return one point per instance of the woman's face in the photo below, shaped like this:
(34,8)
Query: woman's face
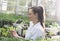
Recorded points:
(31,15)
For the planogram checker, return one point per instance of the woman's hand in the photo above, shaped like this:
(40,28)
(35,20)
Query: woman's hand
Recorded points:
(14,34)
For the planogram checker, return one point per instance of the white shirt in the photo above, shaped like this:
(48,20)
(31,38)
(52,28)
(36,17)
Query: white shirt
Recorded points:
(35,31)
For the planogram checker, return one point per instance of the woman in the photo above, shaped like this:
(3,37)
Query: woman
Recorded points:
(36,29)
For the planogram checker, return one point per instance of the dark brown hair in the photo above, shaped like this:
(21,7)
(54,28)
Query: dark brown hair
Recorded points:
(39,11)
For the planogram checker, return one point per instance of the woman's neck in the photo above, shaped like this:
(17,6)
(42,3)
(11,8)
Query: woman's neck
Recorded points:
(35,22)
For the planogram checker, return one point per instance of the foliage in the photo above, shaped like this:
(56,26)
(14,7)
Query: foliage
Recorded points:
(20,39)
(54,25)
(51,24)
(12,17)
(5,31)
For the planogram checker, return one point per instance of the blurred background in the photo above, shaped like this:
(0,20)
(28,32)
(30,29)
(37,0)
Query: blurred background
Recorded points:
(14,15)
(20,7)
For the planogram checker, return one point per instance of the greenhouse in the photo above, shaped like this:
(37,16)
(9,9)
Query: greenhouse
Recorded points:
(16,15)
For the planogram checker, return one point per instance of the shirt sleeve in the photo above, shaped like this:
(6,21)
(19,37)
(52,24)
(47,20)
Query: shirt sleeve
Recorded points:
(36,35)
(29,34)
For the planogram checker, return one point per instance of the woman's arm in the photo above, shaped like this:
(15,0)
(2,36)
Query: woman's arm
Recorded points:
(14,34)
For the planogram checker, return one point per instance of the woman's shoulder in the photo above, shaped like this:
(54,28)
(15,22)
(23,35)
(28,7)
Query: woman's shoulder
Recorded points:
(38,26)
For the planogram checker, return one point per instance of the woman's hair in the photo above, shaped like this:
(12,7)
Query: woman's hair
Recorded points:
(39,10)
